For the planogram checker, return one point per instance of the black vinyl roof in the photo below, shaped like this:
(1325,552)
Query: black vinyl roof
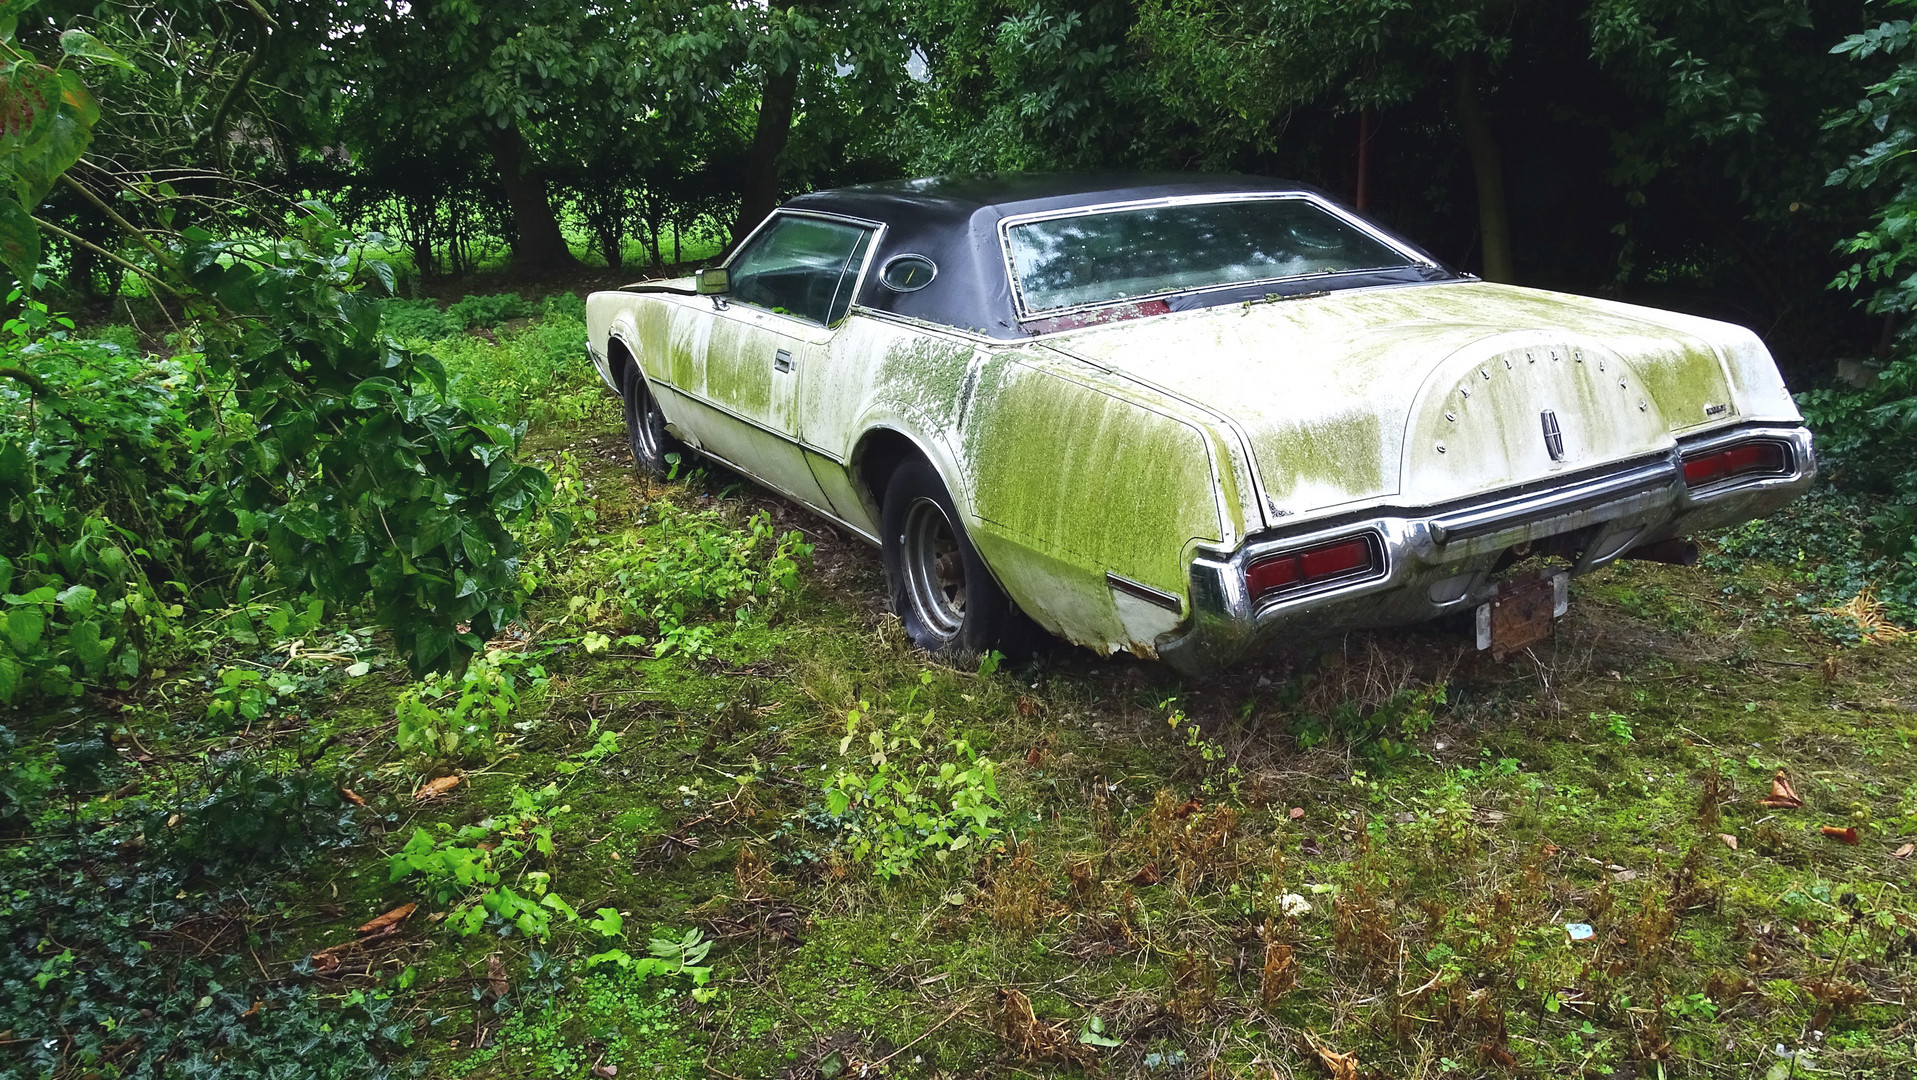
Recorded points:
(953,220)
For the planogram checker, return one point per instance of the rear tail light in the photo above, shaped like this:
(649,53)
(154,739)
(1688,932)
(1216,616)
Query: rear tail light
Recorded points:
(1295,571)
(1759,457)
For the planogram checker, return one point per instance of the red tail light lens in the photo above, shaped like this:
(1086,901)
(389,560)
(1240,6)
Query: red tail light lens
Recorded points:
(1356,557)
(1743,459)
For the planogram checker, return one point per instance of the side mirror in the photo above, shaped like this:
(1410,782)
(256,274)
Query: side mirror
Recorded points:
(712,282)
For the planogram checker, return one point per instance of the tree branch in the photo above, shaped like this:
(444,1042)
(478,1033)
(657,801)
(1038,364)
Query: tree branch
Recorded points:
(27,377)
(145,274)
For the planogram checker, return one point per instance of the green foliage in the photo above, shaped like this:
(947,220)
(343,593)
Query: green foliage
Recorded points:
(449,712)
(366,479)
(96,979)
(469,867)
(685,567)
(617,1017)
(489,311)
(101,496)
(1869,435)
(537,373)
(1615,726)
(1830,551)
(906,803)
(417,320)
(1383,731)
(667,957)
(50,117)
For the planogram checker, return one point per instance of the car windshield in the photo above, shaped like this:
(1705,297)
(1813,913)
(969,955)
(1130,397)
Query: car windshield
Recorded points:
(1110,256)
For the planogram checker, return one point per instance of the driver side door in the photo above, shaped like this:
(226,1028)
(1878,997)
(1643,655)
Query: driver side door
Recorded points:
(790,285)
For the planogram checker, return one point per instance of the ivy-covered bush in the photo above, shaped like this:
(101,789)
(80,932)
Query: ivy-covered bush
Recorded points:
(104,499)
(1867,436)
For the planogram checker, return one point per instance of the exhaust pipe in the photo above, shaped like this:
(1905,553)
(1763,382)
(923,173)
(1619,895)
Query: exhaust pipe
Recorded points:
(1675,552)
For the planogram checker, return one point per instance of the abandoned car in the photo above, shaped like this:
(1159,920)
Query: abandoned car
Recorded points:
(1185,415)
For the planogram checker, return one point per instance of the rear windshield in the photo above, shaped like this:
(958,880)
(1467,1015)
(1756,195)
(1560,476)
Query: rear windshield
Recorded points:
(1116,255)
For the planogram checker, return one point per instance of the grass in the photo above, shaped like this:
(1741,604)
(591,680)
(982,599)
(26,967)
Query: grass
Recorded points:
(1368,846)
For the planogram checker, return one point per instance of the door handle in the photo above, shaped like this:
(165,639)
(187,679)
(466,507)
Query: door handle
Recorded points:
(782,360)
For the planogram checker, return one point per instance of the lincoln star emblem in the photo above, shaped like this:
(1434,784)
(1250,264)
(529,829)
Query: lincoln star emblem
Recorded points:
(1553,436)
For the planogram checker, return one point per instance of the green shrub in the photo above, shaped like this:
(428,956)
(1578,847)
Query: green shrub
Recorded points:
(491,310)
(121,337)
(103,505)
(447,713)
(469,865)
(539,373)
(687,567)
(906,802)
(418,320)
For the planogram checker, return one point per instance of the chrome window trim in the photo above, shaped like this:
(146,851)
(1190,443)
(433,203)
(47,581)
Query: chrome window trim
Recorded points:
(1025,313)
(876,228)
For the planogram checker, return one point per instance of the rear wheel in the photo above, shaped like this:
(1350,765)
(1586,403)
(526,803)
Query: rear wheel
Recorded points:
(940,588)
(646,431)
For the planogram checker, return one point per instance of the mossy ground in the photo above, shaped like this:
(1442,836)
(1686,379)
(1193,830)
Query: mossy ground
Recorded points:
(1443,815)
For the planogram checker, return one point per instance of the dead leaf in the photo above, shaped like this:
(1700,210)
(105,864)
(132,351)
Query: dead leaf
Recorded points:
(1903,852)
(1623,876)
(351,796)
(258,1007)
(1297,813)
(606,1072)
(1310,846)
(1729,840)
(1035,755)
(1783,796)
(1551,849)
(1848,833)
(433,789)
(496,983)
(385,923)
(1188,809)
(1027,707)
(1147,876)
(1340,1066)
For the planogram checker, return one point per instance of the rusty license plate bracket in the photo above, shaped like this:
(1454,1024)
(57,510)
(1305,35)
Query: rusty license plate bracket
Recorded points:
(1522,614)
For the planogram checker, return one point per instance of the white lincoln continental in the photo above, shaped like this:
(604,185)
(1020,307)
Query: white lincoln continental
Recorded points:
(1182,415)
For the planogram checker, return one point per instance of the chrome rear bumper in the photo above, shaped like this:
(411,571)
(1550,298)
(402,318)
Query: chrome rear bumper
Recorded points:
(1440,559)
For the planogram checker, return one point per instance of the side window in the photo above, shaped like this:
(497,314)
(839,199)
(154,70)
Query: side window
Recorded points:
(801,266)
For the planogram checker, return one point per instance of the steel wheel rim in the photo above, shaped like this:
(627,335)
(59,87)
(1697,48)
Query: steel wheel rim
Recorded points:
(934,568)
(643,432)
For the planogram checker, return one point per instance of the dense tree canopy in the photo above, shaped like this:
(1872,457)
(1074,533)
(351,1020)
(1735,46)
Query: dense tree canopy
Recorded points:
(1671,151)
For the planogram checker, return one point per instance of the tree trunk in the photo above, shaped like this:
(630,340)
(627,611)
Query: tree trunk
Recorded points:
(761,194)
(1494,223)
(538,246)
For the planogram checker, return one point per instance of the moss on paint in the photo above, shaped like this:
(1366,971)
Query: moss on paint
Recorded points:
(1343,453)
(1082,471)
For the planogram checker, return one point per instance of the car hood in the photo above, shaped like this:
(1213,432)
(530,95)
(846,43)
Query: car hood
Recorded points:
(1422,394)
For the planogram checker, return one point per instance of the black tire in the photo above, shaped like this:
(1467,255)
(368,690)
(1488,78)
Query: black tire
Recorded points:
(646,431)
(940,588)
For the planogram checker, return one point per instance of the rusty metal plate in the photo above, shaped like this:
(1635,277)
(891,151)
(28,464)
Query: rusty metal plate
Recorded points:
(1520,616)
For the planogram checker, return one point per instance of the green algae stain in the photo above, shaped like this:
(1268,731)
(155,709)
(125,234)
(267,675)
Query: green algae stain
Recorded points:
(1078,470)
(1339,454)
(739,366)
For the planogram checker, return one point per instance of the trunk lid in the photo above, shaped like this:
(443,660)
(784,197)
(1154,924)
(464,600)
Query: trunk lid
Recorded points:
(1423,394)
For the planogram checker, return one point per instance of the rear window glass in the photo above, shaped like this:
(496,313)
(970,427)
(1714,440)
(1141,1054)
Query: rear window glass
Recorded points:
(1111,256)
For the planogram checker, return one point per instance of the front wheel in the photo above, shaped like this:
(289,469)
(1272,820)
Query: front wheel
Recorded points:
(646,431)
(940,588)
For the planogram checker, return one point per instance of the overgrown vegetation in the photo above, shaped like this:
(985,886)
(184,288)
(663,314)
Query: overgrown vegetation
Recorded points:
(362,714)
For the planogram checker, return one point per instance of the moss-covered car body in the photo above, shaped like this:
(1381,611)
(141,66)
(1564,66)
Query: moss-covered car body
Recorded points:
(1122,469)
